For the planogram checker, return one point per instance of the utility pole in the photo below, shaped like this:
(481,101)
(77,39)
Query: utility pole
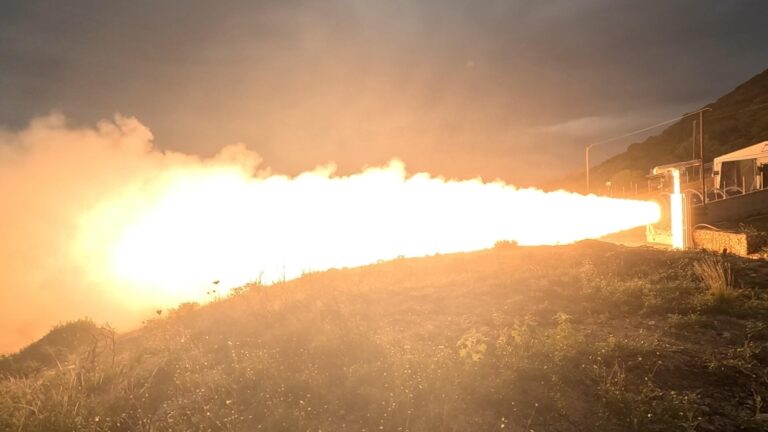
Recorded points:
(700,112)
(693,141)
(701,153)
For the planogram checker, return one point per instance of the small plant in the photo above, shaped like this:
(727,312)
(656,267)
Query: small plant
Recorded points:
(758,401)
(748,229)
(472,346)
(716,275)
(505,244)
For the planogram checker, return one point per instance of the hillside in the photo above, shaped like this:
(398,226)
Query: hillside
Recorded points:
(585,337)
(738,119)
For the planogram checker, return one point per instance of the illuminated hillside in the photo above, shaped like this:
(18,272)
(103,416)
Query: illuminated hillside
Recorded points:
(590,336)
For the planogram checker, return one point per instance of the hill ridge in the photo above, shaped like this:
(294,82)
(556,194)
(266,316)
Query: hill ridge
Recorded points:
(737,119)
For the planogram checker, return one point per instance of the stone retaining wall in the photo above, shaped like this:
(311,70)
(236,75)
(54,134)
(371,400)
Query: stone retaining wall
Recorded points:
(739,243)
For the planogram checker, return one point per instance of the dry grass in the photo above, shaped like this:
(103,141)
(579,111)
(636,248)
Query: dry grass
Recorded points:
(573,338)
(716,275)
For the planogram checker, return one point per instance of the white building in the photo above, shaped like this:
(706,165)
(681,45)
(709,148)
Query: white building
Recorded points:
(744,170)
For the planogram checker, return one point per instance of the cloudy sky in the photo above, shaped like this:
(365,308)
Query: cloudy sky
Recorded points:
(510,89)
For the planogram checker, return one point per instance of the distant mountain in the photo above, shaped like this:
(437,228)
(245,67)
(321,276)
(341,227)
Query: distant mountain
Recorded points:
(738,119)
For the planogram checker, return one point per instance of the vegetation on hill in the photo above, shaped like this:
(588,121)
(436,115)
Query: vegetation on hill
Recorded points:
(59,343)
(583,337)
(738,119)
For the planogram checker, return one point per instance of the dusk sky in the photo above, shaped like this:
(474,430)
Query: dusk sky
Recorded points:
(456,88)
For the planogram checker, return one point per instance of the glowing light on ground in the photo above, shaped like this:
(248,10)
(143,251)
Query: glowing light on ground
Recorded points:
(171,241)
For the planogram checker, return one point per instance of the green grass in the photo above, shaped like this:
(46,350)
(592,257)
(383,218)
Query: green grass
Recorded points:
(571,338)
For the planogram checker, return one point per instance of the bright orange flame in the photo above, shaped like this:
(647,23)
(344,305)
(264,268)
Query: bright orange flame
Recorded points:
(171,241)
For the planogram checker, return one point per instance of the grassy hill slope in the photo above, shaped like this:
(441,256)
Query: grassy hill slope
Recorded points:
(584,337)
(738,119)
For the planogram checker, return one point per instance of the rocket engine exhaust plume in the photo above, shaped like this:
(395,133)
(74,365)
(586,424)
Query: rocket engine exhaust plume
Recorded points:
(96,222)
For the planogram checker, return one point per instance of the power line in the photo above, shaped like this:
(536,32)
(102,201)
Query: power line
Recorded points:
(666,122)
(680,117)
(636,131)
(589,147)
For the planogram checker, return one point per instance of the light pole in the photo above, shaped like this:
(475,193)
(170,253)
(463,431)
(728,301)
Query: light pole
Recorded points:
(586,162)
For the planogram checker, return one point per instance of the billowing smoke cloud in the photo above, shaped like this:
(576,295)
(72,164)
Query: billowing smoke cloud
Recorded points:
(97,222)
(50,174)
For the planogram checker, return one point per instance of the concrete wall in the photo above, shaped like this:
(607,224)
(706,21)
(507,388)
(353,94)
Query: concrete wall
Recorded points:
(732,209)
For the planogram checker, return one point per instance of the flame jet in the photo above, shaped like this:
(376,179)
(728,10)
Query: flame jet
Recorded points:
(211,224)
(98,222)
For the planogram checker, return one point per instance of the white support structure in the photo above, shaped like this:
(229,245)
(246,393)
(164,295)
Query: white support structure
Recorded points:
(680,234)
(676,212)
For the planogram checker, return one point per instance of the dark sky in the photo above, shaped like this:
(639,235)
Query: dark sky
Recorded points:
(508,89)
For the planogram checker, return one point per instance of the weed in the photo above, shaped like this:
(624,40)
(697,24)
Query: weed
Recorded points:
(472,346)
(716,276)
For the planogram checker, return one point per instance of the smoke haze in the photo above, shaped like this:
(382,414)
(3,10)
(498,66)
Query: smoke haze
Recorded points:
(98,222)
(497,88)
(49,175)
